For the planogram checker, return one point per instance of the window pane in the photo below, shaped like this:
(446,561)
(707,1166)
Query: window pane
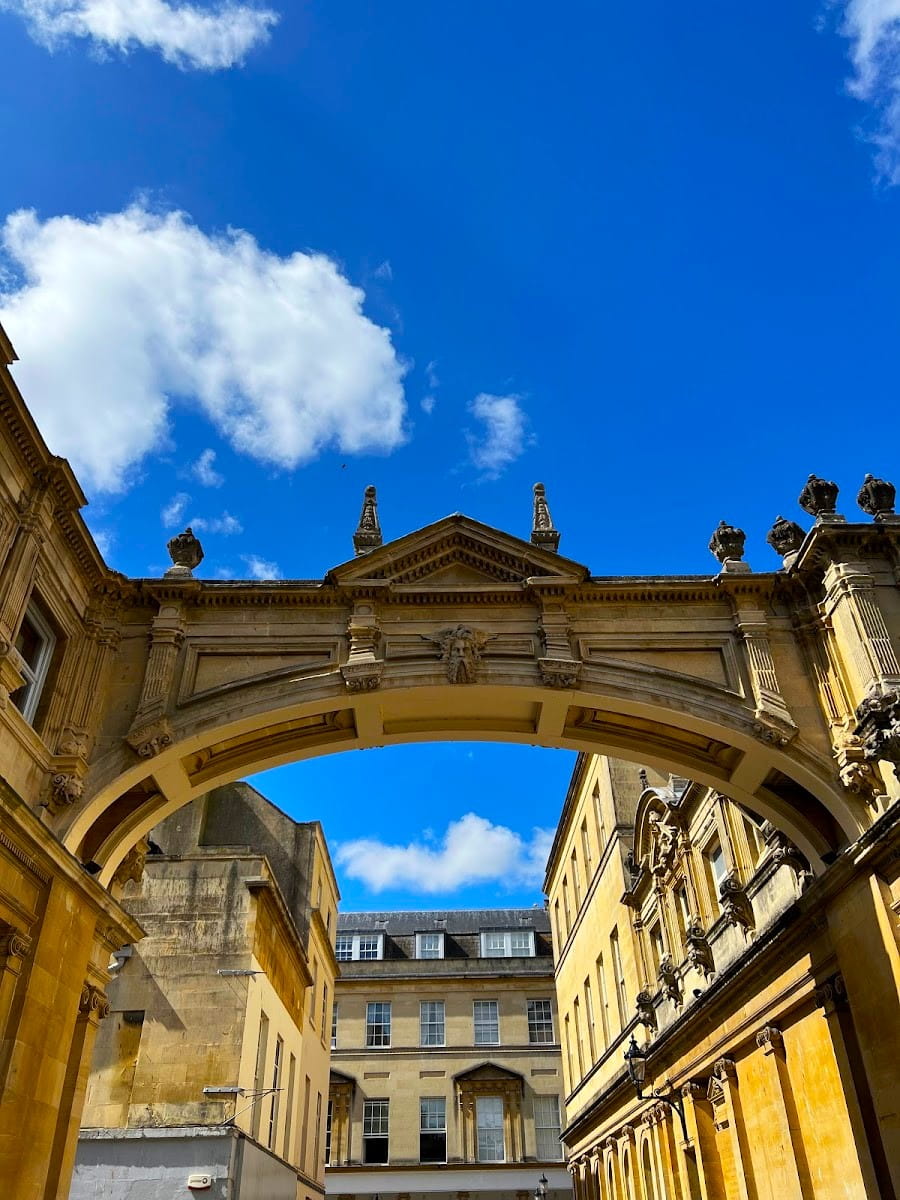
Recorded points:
(431,1022)
(433,1113)
(369,946)
(540,1021)
(433,1129)
(489,1128)
(494,945)
(375,1131)
(343,947)
(487,1023)
(430,945)
(378,1024)
(546,1128)
(522,943)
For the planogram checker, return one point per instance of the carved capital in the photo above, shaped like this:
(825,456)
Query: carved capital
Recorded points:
(148,740)
(94,1003)
(14,943)
(724,1069)
(831,994)
(769,1039)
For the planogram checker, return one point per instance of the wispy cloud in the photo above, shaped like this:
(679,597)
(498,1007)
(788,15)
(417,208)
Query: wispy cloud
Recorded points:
(384,271)
(204,470)
(173,512)
(208,37)
(115,316)
(503,436)
(473,850)
(226,524)
(873,26)
(427,403)
(260,568)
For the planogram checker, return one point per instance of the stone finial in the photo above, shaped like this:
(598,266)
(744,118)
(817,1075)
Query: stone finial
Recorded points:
(876,497)
(542,531)
(368,532)
(819,499)
(786,537)
(727,544)
(186,553)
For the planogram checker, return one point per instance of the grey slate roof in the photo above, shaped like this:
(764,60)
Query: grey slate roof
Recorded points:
(452,921)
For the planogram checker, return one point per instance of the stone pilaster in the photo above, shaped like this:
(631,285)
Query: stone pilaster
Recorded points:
(781,1153)
(362,670)
(150,731)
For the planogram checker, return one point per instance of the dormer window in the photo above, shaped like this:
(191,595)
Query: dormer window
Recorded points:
(35,642)
(507,943)
(359,947)
(429,945)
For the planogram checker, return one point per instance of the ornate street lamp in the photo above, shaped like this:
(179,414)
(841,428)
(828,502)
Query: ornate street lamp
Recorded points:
(540,1192)
(636,1060)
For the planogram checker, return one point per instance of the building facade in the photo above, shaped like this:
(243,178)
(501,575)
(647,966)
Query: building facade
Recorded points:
(123,700)
(446,1075)
(695,928)
(214,1058)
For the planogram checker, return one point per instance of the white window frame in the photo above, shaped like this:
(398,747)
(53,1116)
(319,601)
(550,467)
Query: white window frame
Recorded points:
(498,943)
(427,1125)
(482,1023)
(481,1104)
(371,1118)
(380,1020)
(358,952)
(423,950)
(541,1128)
(432,1018)
(335,1008)
(539,1023)
(35,676)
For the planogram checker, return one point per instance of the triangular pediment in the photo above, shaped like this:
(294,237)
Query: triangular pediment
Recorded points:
(457,553)
(488,1071)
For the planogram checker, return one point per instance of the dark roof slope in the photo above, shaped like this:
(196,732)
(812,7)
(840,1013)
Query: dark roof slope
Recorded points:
(452,921)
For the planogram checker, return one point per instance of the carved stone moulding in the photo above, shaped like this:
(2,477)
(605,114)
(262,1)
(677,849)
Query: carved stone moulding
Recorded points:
(560,673)
(14,942)
(362,677)
(461,650)
(831,994)
(131,867)
(368,534)
(859,774)
(769,1039)
(772,731)
(542,530)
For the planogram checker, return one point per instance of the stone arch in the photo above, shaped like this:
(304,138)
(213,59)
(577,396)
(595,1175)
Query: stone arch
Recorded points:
(789,788)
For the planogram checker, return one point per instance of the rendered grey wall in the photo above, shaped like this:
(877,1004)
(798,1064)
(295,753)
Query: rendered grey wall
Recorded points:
(150,1167)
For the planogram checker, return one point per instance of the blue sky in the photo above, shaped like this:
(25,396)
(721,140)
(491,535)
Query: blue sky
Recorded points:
(255,258)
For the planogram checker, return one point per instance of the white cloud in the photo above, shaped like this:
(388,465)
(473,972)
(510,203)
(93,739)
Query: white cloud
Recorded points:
(503,437)
(105,540)
(172,514)
(208,38)
(428,403)
(384,271)
(225,524)
(874,29)
(260,568)
(432,376)
(117,316)
(204,470)
(472,851)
